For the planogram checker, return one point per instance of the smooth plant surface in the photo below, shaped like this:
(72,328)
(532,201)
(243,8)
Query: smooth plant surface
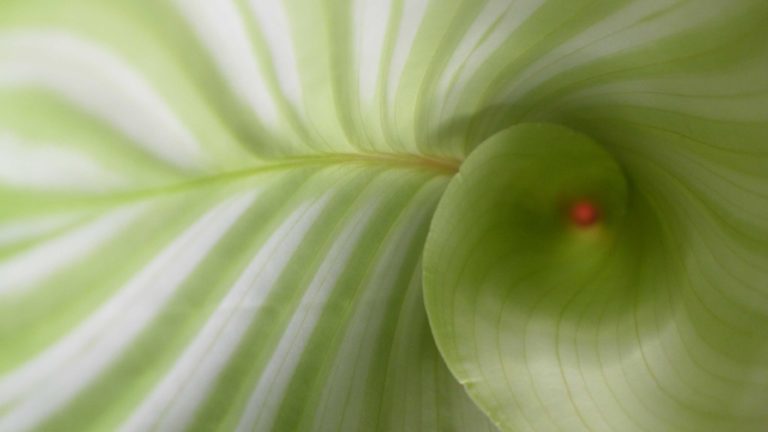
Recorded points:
(384,215)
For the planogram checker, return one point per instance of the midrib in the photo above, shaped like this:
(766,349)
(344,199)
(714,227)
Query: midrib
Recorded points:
(437,165)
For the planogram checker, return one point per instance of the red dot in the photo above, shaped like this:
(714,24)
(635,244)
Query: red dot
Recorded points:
(584,213)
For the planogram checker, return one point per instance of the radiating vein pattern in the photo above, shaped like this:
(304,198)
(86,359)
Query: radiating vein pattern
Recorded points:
(347,215)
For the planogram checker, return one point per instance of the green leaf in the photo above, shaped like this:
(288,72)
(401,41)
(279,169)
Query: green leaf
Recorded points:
(530,309)
(192,237)
(651,319)
(213,215)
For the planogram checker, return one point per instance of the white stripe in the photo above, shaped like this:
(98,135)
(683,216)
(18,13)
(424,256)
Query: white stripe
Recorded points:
(413,14)
(371,20)
(53,167)
(348,382)
(30,228)
(23,271)
(102,84)
(269,392)
(683,96)
(274,24)
(465,65)
(627,29)
(220,27)
(490,13)
(47,383)
(175,399)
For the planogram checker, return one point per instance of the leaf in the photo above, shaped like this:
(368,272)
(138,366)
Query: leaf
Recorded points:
(183,245)
(212,214)
(651,319)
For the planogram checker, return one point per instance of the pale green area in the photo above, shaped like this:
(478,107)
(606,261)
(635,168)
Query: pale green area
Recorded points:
(212,219)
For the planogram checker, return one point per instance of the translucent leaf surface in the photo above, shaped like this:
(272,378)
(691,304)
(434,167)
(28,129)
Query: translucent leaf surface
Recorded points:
(213,213)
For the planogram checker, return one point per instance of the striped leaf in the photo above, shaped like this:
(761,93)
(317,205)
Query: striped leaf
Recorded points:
(213,215)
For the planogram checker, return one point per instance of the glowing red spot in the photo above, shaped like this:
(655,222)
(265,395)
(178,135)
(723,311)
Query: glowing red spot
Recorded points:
(584,213)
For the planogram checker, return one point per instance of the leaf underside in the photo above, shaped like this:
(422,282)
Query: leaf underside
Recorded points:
(348,215)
